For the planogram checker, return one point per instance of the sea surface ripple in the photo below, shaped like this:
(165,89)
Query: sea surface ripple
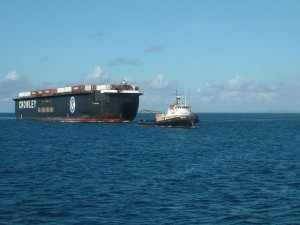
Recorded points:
(232,169)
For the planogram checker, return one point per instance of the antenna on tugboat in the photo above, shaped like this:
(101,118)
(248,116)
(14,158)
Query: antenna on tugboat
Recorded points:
(184,94)
(177,98)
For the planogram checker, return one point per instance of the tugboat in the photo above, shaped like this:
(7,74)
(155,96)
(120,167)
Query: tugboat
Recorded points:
(178,115)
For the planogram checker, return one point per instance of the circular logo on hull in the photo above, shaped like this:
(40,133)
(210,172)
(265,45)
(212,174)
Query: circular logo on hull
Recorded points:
(72,104)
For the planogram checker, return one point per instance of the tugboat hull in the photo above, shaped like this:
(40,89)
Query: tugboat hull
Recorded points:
(184,121)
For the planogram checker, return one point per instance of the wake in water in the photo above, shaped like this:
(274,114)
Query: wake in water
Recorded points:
(7,116)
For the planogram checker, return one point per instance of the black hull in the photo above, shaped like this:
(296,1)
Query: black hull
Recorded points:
(84,107)
(185,122)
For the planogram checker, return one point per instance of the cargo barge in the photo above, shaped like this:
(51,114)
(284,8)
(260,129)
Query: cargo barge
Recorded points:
(82,103)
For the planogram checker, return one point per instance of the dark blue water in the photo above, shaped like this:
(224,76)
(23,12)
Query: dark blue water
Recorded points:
(233,169)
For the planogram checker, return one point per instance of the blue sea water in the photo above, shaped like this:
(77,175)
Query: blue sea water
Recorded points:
(232,169)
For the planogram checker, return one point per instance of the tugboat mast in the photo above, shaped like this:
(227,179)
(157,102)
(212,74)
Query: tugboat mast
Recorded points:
(177,98)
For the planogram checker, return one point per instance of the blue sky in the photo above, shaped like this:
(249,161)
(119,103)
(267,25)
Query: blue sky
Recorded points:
(230,56)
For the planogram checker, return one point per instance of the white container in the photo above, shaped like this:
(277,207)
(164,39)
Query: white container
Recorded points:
(101,87)
(88,87)
(24,94)
(130,92)
(109,91)
(60,90)
(68,89)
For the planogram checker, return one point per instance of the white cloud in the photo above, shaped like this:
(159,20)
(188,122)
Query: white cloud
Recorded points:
(238,83)
(155,48)
(124,61)
(155,100)
(97,76)
(266,96)
(158,93)
(12,76)
(206,99)
(273,87)
(239,89)
(159,82)
(9,89)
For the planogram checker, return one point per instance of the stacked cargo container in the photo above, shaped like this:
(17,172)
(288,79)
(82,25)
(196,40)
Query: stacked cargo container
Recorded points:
(112,88)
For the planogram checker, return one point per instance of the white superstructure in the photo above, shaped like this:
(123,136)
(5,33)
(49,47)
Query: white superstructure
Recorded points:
(176,110)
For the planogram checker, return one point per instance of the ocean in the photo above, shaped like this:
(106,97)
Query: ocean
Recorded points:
(231,169)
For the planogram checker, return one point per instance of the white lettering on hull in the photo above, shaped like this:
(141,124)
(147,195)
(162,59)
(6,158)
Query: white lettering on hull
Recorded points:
(28,104)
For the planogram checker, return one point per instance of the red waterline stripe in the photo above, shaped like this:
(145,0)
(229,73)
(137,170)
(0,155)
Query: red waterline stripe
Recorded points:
(82,120)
